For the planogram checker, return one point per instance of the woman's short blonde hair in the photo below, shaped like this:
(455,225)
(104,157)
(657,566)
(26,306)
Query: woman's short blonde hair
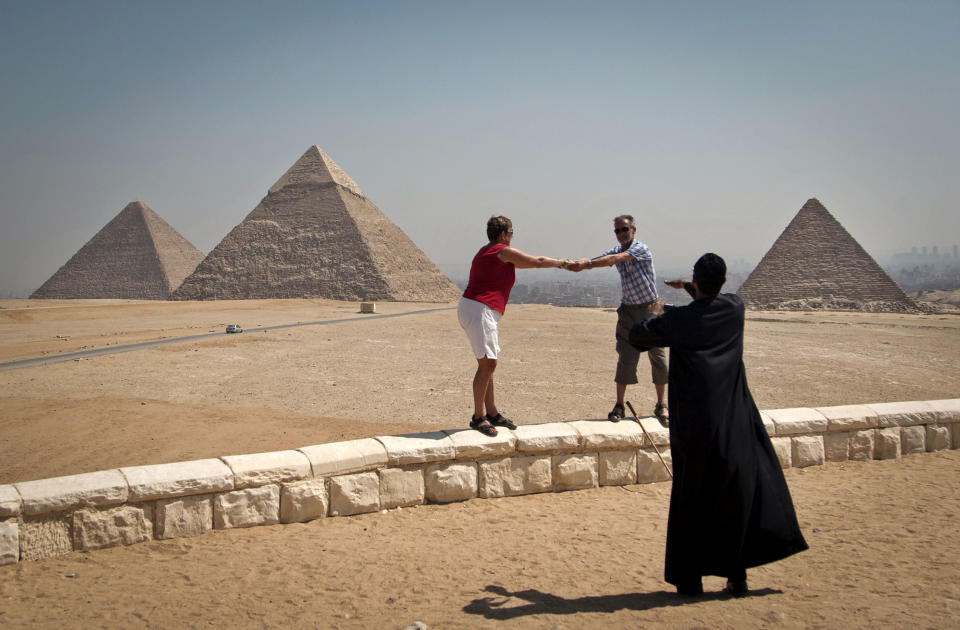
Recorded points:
(496,226)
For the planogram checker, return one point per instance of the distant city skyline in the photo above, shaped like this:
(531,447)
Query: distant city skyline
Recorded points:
(711,123)
(934,250)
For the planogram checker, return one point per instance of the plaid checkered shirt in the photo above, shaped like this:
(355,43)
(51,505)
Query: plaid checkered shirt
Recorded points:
(638,279)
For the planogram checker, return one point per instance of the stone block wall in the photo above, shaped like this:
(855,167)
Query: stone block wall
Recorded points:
(51,517)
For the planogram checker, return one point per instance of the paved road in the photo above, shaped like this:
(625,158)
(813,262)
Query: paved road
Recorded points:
(85,354)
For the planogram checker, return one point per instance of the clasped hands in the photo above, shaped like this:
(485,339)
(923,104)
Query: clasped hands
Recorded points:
(577,265)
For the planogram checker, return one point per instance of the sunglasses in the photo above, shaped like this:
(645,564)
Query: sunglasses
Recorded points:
(621,230)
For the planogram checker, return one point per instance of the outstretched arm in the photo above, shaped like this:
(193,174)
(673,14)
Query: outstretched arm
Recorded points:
(522,260)
(682,284)
(603,261)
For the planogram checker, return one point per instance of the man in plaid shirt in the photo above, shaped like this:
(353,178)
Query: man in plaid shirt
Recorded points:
(638,287)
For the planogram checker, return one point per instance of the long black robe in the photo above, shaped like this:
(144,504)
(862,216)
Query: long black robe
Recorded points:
(730,508)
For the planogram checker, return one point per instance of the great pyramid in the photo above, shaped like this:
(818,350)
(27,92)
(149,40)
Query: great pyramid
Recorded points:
(137,255)
(816,264)
(316,234)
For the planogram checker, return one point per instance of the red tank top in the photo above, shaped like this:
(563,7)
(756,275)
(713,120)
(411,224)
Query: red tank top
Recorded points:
(490,278)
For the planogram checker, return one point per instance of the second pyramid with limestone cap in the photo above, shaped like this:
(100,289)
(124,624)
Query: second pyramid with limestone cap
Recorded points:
(316,234)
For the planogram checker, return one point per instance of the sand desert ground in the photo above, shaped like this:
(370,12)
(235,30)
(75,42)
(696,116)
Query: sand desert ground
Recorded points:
(883,534)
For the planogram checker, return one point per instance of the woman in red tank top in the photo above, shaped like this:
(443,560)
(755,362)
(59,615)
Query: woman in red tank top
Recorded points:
(492,275)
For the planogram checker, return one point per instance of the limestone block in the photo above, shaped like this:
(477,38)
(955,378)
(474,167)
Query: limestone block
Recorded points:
(184,517)
(783,447)
(401,487)
(338,458)
(165,481)
(112,527)
(448,482)
(913,440)
(955,436)
(106,487)
(45,537)
(303,501)
(938,437)
(247,508)
(849,417)
(9,541)
(887,443)
(471,444)
(836,446)
(547,438)
(903,414)
(575,471)
(807,451)
(862,445)
(946,411)
(354,494)
(417,448)
(9,501)
(798,421)
(261,469)
(659,435)
(603,435)
(618,468)
(768,423)
(649,466)
(511,476)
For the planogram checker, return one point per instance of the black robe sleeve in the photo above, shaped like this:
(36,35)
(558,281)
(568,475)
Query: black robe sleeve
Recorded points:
(657,331)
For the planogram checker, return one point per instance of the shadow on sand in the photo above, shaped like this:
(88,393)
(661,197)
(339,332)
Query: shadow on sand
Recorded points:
(544,603)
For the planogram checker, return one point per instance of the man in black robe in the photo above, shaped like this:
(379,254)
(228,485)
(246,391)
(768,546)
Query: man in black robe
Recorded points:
(730,508)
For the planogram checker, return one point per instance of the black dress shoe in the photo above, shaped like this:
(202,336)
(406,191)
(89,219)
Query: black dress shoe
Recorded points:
(736,588)
(690,588)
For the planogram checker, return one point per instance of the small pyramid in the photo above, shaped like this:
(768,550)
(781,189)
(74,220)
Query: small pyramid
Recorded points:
(816,264)
(316,234)
(137,255)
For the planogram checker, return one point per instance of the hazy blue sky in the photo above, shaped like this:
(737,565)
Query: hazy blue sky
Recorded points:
(712,122)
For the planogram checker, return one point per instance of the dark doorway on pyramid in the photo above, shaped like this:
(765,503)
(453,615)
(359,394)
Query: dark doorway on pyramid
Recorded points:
(316,234)
(816,264)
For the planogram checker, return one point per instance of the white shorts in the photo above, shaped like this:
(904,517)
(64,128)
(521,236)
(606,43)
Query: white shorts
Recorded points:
(480,322)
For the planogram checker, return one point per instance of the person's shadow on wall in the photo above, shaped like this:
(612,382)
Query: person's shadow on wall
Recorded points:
(545,603)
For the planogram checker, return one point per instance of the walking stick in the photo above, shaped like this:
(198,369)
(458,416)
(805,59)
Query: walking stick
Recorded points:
(649,438)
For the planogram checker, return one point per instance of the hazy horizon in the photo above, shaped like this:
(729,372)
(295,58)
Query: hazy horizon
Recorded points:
(711,123)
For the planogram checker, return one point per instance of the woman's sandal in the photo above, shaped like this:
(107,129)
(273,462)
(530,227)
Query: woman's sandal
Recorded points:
(501,421)
(616,415)
(483,426)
